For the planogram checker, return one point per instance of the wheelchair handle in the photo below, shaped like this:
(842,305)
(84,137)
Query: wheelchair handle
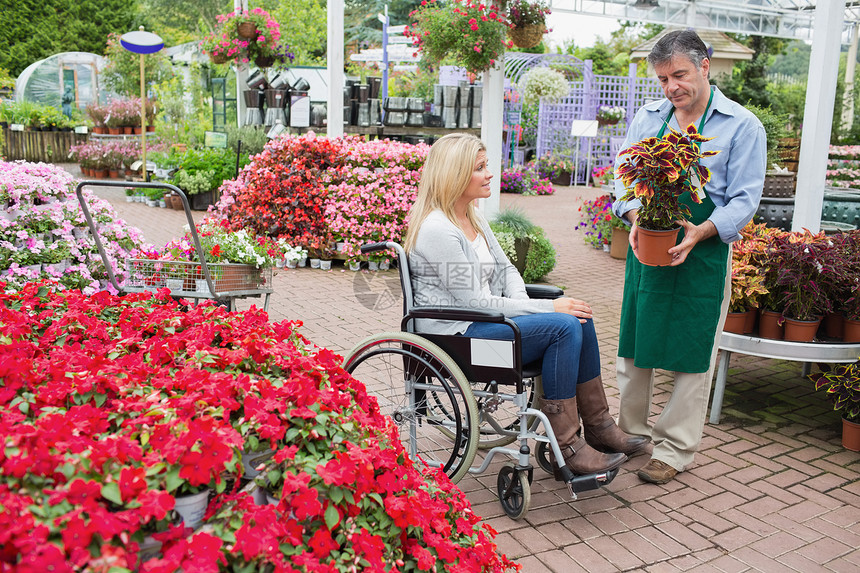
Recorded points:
(373,247)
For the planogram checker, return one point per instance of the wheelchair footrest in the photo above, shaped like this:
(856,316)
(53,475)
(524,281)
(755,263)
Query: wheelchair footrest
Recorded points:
(580,483)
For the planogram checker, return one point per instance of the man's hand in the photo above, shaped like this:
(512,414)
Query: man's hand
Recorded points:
(692,235)
(633,239)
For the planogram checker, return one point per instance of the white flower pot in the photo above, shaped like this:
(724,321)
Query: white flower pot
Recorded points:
(34,268)
(175,285)
(162,203)
(605,247)
(325,265)
(192,508)
(303,262)
(372,266)
(130,199)
(79,233)
(201,286)
(384,266)
(279,263)
(315,263)
(292,264)
(252,460)
(354,266)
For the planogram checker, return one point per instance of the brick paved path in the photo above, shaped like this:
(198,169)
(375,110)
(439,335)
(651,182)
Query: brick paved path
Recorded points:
(771,490)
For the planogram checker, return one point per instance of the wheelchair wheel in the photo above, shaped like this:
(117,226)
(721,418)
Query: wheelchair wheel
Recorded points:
(515,495)
(426,394)
(543,455)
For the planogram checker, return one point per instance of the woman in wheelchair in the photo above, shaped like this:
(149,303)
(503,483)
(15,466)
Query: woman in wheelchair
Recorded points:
(456,261)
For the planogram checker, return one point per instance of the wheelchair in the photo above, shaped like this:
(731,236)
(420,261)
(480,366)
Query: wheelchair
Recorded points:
(452,395)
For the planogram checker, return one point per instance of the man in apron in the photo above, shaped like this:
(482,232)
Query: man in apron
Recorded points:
(672,317)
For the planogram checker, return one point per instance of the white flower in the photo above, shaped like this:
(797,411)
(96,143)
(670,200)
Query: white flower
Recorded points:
(543,82)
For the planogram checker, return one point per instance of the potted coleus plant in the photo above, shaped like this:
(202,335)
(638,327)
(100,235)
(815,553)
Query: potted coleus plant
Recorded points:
(842,385)
(470,33)
(804,298)
(747,288)
(658,171)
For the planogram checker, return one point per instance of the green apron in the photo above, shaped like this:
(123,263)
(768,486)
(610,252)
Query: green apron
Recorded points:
(669,315)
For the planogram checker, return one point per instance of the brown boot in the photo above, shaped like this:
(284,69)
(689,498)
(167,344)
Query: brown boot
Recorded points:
(578,455)
(599,428)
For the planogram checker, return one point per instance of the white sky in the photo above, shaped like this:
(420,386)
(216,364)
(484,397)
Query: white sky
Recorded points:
(584,30)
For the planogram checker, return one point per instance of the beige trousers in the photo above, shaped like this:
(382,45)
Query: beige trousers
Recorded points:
(678,430)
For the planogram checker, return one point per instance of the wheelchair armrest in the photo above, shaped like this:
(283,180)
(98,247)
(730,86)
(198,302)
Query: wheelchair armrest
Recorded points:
(544,291)
(454,313)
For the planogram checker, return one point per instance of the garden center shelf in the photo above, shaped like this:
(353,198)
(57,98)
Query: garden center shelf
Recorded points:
(196,280)
(381,131)
(806,352)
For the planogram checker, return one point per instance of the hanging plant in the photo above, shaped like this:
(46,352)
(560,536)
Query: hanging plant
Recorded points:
(471,34)
(528,22)
(233,41)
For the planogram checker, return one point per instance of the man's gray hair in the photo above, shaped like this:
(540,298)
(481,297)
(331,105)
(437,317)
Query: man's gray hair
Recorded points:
(679,42)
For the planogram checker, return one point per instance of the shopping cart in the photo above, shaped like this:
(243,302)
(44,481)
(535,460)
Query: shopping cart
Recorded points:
(224,282)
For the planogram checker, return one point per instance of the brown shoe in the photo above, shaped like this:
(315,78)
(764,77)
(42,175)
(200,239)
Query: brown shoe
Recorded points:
(656,471)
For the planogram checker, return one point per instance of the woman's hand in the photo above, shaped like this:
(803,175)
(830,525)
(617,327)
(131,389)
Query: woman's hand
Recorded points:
(577,308)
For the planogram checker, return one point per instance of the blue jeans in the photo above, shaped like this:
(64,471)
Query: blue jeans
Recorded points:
(566,348)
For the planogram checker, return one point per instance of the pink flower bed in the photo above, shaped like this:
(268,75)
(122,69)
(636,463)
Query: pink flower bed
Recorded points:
(43,232)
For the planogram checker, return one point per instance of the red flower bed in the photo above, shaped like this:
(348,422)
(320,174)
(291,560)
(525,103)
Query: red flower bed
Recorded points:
(282,192)
(110,407)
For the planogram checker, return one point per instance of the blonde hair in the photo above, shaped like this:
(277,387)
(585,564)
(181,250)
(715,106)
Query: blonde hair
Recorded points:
(447,172)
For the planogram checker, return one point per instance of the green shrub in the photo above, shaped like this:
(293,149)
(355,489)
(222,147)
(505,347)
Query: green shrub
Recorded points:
(512,225)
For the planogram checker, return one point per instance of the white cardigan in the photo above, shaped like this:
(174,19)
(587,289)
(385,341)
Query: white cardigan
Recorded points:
(446,272)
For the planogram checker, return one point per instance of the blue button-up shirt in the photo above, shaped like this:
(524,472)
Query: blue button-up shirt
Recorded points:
(737,172)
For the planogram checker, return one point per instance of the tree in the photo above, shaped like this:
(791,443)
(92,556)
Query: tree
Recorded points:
(748,81)
(180,21)
(303,27)
(793,61)
(361,24)
(122,73)
(35,29)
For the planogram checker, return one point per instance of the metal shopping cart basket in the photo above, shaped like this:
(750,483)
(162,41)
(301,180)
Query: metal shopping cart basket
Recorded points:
(196,280)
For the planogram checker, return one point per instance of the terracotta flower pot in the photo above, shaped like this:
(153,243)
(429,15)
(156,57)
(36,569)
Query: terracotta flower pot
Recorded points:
(851,330)
(619,244)
(128,130)
(833,325)
(654,246)
(735,322)
(769,327)
(115,130)
(801,330)
(850,435)
(749,324)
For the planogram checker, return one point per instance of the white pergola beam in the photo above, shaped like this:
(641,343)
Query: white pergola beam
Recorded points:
(334,53)
(818,115)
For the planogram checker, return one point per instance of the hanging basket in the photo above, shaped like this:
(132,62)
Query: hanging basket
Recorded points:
(219,58)
(264,61)
(607,121)
(247,30)
(527,36)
